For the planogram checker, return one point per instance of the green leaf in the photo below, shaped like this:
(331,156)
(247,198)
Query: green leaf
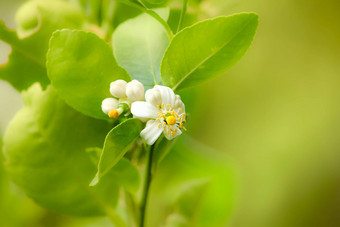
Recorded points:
(117,142)
(22,68)
(207,49)
(126,175)
(139,45)
(123,12)
(81,67)
(45,147)
(36,20)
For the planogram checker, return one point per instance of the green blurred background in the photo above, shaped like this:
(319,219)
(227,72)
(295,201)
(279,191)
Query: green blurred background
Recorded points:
(276,114)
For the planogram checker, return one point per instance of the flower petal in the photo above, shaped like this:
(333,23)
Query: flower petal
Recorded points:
(167,94)
(151,132)
(169,136)
(144,110)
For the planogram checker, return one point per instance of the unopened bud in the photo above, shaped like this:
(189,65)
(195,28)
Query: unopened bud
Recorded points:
(118,88)
(153,96)
(135,91)
(109,104)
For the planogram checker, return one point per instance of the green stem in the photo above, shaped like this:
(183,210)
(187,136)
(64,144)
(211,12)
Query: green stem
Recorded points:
(147,182)
(151,13)
(181,19)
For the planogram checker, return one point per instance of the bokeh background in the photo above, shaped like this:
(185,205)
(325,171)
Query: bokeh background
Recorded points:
(275,113)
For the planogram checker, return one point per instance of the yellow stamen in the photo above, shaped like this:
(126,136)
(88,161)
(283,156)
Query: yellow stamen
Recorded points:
(171,120)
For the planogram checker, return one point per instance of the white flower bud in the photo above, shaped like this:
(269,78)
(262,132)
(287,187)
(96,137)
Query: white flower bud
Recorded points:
(179,103)
(118,88)
(109,104)
(153,96)
(135,91)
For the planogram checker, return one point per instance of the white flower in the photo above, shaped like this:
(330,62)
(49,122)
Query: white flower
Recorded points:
(118,88)
(153,96)
(135,90)
(165,111)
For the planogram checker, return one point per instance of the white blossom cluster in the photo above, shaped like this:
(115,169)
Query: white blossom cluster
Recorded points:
(162,110)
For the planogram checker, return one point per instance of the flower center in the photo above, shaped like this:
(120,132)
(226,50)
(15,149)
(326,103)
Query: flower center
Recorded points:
(171,120)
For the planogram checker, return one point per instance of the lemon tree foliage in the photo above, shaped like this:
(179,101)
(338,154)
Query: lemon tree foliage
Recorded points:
(139,45)
(83,73)
(36,20)
(47,159)
(117,142)
(207,49)
(63,150)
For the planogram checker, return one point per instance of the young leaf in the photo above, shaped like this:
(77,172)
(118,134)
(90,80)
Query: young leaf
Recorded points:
(139,45)
(207,49)
(45,147)
(117,142)
(36,20)
(81,66)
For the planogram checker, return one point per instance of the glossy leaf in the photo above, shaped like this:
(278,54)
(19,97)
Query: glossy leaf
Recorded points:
(117,142)
(207,49)
(36,20)
(45,147)
(139,45)
(81,67)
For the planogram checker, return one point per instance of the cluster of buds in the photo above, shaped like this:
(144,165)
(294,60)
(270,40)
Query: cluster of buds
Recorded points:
(163,110)
(124,94)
